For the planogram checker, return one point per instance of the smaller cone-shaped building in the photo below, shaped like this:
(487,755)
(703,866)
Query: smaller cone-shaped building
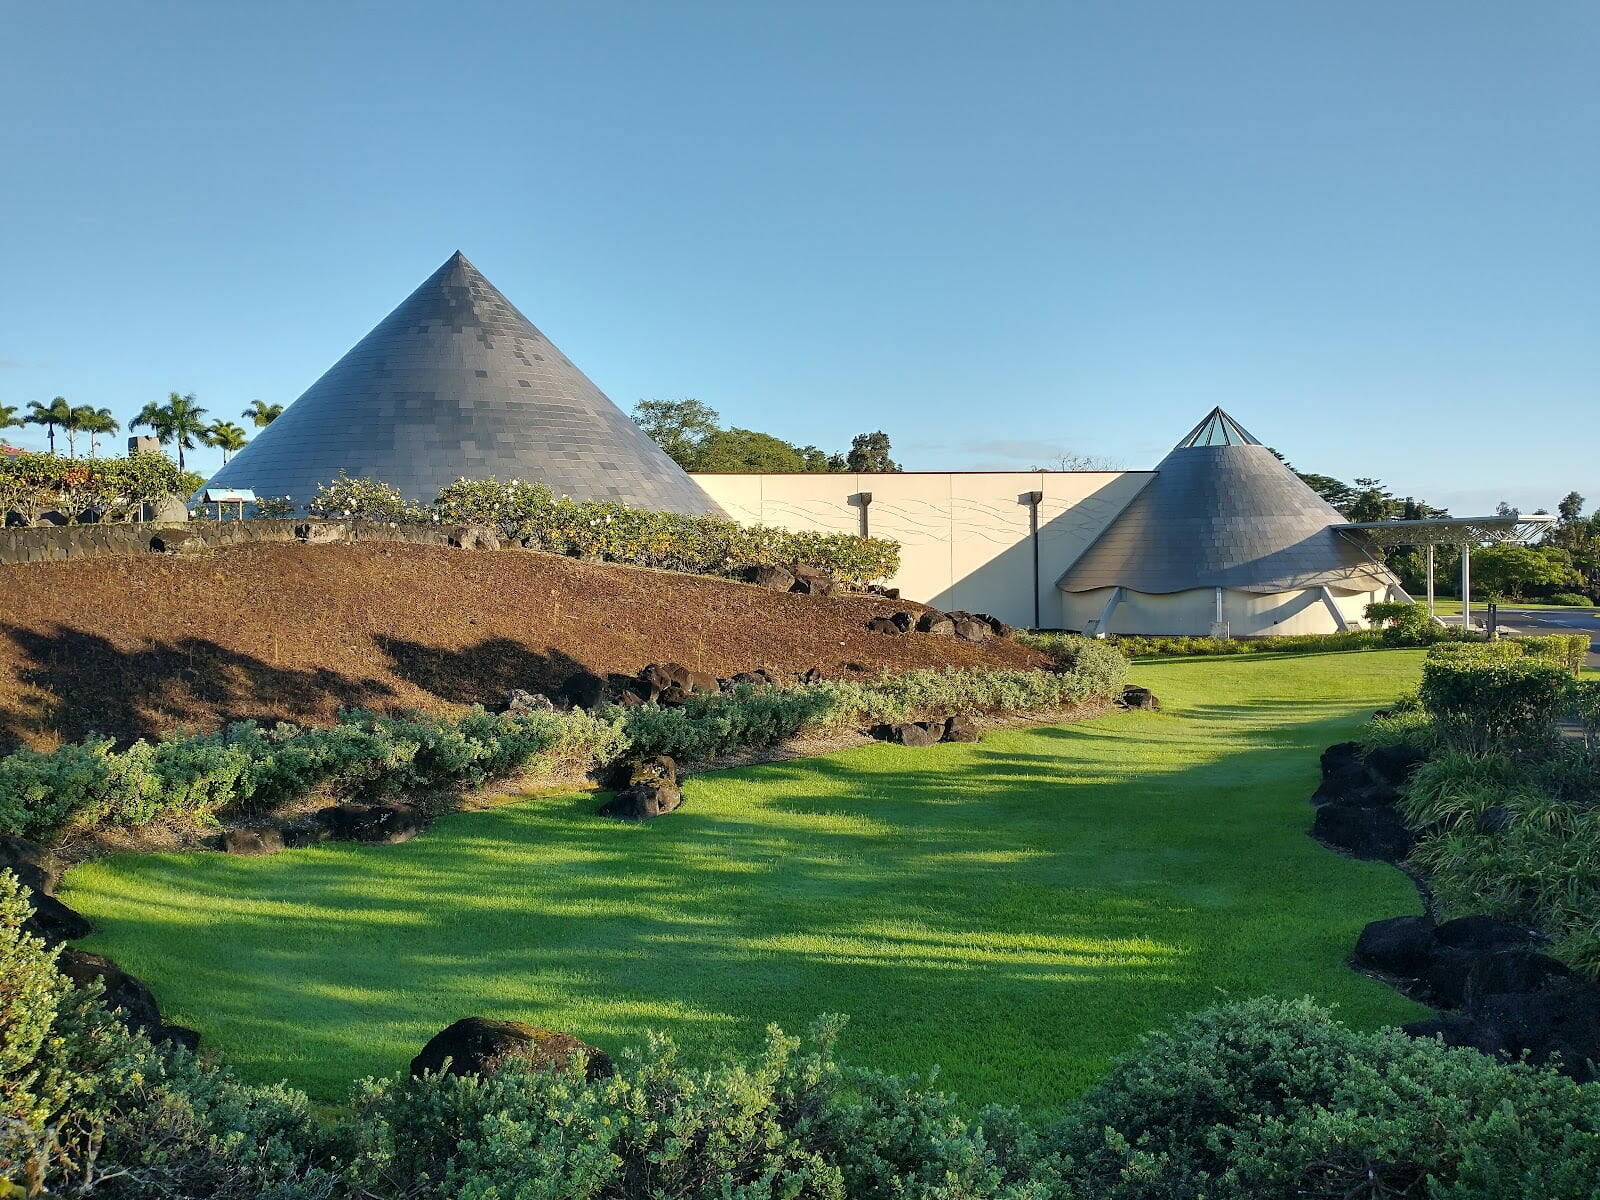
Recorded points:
(457,383)
(1226,540)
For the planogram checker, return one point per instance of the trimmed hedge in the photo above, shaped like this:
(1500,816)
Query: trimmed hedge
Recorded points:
(1314,643)
(1254,1099)
(1402,624)
(1569,650)
(251,769)
(1484,703)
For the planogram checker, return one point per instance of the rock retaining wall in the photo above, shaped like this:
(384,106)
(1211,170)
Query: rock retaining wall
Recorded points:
(61,543)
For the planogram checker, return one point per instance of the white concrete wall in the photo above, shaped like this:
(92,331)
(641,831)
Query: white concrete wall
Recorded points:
(1248,614)
(963,536)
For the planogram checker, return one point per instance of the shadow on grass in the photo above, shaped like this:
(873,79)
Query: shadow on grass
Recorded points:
(1018,910)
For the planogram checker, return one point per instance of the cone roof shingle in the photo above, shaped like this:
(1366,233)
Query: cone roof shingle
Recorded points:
(1224,511)
(454,383)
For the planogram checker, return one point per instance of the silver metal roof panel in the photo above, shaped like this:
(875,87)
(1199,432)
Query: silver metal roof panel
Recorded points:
(456,382)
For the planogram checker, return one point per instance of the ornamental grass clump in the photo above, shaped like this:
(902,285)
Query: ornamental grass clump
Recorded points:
(1507,811)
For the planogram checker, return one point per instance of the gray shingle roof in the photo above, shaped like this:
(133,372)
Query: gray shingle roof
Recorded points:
(456,382)
(1224,515)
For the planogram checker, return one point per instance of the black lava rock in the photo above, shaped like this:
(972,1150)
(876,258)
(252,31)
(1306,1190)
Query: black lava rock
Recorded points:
(1399,946)
(483,1045)
(1378,833)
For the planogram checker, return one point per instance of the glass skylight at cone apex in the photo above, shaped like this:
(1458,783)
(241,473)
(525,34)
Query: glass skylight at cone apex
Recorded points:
(1218,429)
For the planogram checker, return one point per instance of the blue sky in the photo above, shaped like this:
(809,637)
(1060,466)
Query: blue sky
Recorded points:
(996,231)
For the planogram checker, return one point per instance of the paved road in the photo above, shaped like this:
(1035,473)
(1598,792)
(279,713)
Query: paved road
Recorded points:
(1542,620)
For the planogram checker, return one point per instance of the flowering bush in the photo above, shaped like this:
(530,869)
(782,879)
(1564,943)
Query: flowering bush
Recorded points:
(268,507)
(529,513)
(362,499)
(103,489)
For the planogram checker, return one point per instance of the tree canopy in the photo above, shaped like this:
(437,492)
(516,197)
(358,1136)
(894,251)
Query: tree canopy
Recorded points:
(691,434)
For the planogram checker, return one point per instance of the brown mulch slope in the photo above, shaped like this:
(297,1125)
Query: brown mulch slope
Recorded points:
(133,647)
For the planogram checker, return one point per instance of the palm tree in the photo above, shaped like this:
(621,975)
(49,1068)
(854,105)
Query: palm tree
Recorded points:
(178,421)
(57,412)
(262,413)
(73,424)
(9,418)
(97,423)
(227,437)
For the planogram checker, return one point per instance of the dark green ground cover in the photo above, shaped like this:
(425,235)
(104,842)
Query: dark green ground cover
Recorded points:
(1016,911)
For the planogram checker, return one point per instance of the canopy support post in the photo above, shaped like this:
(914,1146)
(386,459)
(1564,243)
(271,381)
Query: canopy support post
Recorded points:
(1430,581)
(1219,627)
(1097,627)
(1333,607)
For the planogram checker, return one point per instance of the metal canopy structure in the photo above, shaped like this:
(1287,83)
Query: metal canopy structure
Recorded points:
(1464,532)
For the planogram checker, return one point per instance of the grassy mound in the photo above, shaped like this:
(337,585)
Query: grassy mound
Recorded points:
(1018,911)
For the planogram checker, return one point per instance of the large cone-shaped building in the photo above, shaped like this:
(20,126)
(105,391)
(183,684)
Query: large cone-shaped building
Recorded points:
(1225,539)
(457,383)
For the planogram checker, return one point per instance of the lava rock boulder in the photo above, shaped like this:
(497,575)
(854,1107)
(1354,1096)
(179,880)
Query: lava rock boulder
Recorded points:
(814,581)
(1376,833)
(911,733)
(33,865)
(646,788)
(777,579)
(252,840)
(386,823)
(1400,946)
(483,1045)
(961,728)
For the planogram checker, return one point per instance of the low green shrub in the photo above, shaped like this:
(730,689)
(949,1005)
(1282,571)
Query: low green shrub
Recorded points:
(1508,814)
(1572,600)
(1272,1098)
(251,769)
(1570,650)
(1185,646)
(89,1108)
(1504,650)
(1586,705)
(1483,703)
(1403,622)
(713,725)
(1412,727)
(529,514)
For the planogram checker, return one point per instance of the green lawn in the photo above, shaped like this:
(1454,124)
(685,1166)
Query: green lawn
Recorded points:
(1017,911)
(1452,608)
